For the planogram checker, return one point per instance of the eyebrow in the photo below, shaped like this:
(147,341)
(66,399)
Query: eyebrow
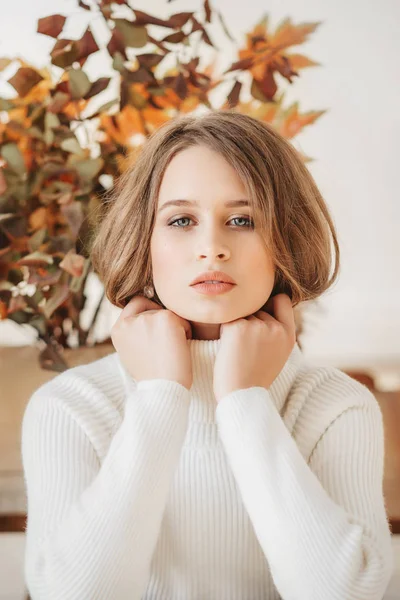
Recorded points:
(230,204)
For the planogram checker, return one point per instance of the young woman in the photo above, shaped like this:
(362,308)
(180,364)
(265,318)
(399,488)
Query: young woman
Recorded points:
(204,459)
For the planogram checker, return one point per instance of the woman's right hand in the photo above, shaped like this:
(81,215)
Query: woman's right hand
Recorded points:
(152,342)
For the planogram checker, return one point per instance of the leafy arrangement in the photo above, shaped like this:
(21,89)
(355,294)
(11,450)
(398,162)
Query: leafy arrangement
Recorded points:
(59,152)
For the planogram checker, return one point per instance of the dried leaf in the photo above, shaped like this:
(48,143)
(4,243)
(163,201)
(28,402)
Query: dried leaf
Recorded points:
(287,34)
(87,45)
(73,263)
(242,64)
(175,38)
(24,80)
(299,61)
(64,53)
(52,25)
(3,183)
(180,86)
(60,294)
(71,145)
(256,92)
(207,11)
(36,259)
(83,5)
(37,239)
(88,169)
(206,38)
(59,101)
(5,62)
(224,27)
(79,83)
(148,61)
(98,86)
(233,96)
(116,49)
(38,218)
(133,36)
(13,156)
(73,213)
(268,84)
(180,19)
(3,310)
(143,18)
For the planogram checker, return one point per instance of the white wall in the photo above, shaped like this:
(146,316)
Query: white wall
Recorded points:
(355,146)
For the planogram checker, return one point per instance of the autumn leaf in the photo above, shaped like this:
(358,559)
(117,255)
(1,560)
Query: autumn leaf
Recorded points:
(73,263)
(86,45)
(79,83)
(52,25)
(293,122)
(4,63)
(287,34)
(3,182)
(24,80)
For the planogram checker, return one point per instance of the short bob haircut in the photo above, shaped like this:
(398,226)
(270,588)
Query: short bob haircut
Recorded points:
(288,209)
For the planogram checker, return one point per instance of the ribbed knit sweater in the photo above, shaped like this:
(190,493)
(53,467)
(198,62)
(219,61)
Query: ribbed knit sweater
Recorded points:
(150,490)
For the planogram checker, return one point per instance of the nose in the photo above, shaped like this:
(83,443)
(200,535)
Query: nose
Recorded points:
(212,244)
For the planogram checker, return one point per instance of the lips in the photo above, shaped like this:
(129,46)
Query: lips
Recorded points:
(217,276)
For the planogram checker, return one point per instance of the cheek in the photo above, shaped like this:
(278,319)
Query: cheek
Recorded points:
(164,256)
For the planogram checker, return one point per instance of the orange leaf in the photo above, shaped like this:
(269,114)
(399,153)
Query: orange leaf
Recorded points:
(288,34)
(298,61)
(38,219)
(3,310)
(293,122)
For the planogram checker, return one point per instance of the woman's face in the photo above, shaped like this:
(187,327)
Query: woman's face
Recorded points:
(188,240)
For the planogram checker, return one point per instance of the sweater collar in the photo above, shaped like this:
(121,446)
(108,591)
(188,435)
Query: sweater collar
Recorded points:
(203,354)
(202,402)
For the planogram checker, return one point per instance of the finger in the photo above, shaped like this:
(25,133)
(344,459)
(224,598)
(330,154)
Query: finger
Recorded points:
(186,325)
(137,305)
(283,311)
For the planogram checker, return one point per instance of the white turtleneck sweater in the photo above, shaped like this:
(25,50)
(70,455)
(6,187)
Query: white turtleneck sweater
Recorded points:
(150,490)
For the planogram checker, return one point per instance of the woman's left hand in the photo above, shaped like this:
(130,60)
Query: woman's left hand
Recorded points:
(254,349)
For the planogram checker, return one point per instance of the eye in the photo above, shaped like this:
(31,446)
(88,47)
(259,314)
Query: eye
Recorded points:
(249,221)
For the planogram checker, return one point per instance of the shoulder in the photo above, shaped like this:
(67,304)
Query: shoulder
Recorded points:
(91,394)
(319,395)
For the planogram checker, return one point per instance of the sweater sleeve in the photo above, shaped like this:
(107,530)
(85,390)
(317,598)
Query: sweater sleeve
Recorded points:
(92,529)
(321,524)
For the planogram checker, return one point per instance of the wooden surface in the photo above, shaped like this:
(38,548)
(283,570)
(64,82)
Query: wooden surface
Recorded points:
(390,406)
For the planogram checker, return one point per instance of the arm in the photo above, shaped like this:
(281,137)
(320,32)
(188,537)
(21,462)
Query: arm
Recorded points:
(322,526)
(91,528)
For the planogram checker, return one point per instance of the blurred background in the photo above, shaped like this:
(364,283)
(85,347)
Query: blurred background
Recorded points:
(324,74)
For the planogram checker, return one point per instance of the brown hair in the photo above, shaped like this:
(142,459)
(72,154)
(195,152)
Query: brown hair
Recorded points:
(288,208)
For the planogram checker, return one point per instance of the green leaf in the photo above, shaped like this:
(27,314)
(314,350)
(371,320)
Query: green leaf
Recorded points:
(36,258)
(88,169)
(118,62)
(77,282)
(12,154)
(61,293)
(5,104)
(51,120)
(71,145)
(79,83)
(133,36)
(39,323)
(64,53)
(37,239)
